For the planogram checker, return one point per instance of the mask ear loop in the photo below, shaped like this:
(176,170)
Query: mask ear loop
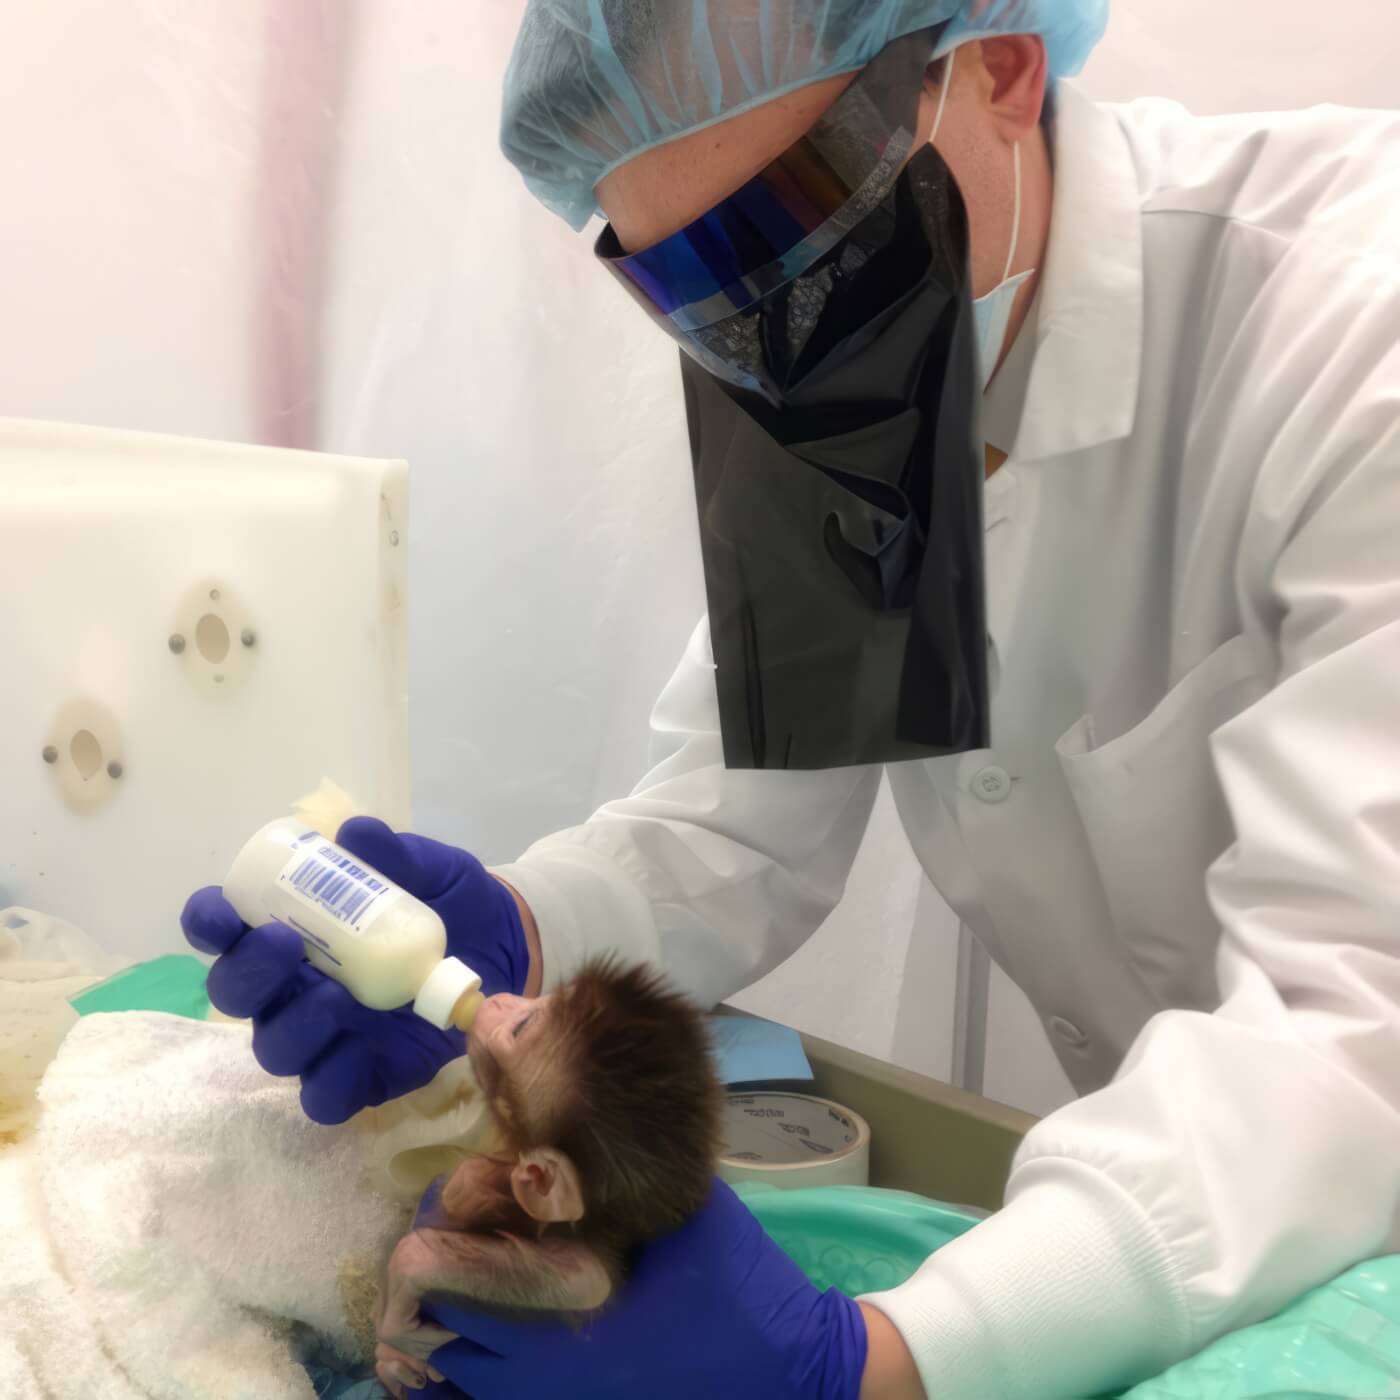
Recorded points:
(943,95)
(1015,212)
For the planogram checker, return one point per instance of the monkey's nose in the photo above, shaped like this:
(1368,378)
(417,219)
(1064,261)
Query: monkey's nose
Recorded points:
(492,1012)
(487,1016)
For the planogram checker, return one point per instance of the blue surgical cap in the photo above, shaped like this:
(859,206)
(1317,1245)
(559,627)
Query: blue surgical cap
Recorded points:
(593,83)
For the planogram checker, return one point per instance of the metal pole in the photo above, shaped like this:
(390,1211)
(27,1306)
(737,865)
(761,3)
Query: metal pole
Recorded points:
(970,1013)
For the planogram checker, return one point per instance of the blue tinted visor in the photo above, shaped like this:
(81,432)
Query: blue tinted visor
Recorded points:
(788,217)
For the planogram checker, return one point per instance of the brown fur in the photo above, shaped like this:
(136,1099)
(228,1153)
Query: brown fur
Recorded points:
(622,1083)
(640,1113)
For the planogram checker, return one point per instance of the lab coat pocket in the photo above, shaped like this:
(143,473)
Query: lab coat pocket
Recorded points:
(1155,819)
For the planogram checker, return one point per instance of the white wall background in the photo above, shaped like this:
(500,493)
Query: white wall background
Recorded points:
(290,224)
(1249,55)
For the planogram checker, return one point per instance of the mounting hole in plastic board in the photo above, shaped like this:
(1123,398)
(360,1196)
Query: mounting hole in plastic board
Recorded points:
(86,753)
(211,637)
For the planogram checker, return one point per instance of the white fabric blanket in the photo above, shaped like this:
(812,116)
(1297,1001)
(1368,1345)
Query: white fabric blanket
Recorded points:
(177,1229)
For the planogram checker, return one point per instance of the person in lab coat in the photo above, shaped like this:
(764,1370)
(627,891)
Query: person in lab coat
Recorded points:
(1177,823)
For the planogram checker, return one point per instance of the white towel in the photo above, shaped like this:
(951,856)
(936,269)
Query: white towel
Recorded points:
(43,962)
(182,1228)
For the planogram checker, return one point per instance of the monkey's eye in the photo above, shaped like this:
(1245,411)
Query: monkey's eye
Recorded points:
(520,1025)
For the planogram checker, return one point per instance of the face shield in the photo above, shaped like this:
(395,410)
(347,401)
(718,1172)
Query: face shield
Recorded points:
(744,286)
(832,391)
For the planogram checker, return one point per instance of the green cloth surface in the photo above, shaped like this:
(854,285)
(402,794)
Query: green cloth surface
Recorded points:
(174,983)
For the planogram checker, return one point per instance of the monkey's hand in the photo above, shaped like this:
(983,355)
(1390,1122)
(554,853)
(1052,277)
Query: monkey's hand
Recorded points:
(493,1270)
(399,1372)
(414,1267)
(468,1198)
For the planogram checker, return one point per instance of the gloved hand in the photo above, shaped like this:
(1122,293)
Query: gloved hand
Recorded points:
(716,1309)
(348,1056)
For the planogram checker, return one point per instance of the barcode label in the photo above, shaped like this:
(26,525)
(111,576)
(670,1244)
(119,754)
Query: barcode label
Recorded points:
(331,880)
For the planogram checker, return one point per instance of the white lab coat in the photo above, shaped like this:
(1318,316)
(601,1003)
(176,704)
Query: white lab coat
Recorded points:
(1185,842)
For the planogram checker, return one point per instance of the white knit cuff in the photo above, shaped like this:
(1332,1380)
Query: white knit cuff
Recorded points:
(1067,1292)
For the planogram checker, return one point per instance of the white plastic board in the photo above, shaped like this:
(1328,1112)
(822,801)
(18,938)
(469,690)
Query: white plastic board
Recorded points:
(192,634)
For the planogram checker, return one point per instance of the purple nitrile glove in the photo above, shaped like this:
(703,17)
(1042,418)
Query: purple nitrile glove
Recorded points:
(715,1309)
(349,1057)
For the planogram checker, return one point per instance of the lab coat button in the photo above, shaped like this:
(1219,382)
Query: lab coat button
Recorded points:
(992,784)
(1068,1032)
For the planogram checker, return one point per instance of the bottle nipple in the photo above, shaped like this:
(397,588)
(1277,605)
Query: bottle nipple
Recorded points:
(464,1013)
(450,995)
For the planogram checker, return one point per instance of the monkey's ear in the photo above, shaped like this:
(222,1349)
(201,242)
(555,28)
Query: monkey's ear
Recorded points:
(546,1186)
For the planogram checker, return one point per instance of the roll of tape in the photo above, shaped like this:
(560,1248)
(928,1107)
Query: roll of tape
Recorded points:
(793,1140)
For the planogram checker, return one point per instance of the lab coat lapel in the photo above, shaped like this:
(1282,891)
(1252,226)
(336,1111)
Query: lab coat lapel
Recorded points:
(1083,385)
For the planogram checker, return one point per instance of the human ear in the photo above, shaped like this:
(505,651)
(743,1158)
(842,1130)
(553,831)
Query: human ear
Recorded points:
(546,1186)
(1017,67)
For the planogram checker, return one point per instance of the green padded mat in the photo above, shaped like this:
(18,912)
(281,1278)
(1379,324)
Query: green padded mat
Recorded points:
(859,1239)
(1339,1342)
(174,983)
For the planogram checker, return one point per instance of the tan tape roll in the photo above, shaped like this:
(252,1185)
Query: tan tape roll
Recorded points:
(793,1141)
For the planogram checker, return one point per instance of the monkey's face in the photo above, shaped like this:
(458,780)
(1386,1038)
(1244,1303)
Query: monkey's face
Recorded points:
(510,1039)
(606,1101)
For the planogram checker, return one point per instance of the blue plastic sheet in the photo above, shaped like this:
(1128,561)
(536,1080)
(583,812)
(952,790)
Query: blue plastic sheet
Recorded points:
(749,1050)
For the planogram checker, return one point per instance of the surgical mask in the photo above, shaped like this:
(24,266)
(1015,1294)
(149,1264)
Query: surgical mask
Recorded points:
(993,311)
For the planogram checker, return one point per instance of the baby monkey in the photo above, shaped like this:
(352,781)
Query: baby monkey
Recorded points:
(607,1107)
